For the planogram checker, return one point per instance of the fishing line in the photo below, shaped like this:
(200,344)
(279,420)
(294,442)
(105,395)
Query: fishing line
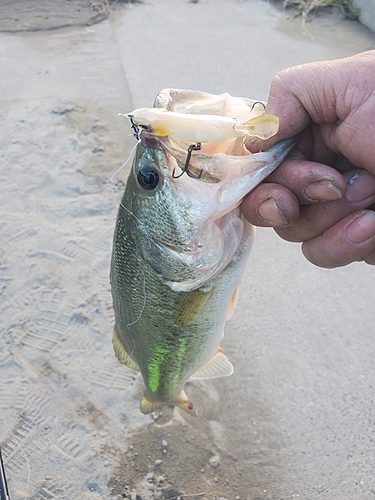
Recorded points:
(133,433)
(119,199)
(119,170)
(140,314)
(144,296)
(136,320)
(142,227)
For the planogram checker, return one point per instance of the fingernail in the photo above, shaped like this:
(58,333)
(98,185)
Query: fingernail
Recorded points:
(362,228)
(360,186)
(322,191)
(271,213)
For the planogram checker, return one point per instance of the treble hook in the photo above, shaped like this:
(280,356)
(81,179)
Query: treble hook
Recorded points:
(193,147)
(134,126)
(258,102)
(4,494)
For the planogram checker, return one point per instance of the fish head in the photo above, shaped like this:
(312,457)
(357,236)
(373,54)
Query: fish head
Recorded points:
(186,217)
(176,219)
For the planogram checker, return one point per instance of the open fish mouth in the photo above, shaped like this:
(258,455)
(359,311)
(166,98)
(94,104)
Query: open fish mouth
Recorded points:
(206,135)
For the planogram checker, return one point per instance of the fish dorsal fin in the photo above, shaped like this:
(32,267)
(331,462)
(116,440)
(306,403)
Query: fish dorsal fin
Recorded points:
(189,305)
(218,366)
(121,354)
(263,126)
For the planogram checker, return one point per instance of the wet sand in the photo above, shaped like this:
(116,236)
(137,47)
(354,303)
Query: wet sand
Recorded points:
(296,420)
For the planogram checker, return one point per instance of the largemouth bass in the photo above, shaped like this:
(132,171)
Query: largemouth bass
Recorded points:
(181,244)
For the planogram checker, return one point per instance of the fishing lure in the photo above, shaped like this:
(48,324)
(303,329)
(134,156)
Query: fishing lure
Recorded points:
(201,128)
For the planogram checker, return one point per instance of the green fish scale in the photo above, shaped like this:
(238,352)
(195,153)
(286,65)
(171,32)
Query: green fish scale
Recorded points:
(144,309)
(167,354)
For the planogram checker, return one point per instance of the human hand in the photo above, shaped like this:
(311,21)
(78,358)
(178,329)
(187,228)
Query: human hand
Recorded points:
(332,105)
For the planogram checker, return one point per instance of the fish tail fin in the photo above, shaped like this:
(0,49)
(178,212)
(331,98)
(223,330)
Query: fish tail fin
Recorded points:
(184,403)
(148,406)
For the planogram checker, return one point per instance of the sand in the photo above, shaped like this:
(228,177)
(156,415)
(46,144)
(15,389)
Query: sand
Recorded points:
(296,418)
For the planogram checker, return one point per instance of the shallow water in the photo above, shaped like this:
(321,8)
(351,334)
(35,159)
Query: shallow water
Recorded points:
(296,420)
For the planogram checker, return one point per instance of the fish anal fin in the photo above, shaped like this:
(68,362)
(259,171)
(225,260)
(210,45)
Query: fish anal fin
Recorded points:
(121,354)
(189,305)
(218,366)
(263,126)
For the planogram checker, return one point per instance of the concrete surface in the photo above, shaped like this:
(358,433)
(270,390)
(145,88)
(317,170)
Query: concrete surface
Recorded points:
(367,15)
(296,420)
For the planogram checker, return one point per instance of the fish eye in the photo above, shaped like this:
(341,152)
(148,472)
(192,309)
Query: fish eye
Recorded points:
(148,175)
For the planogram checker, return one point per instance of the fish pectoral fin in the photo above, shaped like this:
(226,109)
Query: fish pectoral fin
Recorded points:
(233,303)
(189,305)
(263,126)
(121,354)
(218,366)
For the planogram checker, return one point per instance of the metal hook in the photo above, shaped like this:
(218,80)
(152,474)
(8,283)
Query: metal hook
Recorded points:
(134,126)
(258,102)
(4,494)
(193,147)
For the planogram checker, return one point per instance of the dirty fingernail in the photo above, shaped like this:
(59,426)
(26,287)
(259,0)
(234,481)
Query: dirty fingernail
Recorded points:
(360,186)
(271,213)
(362,228)
(322,191)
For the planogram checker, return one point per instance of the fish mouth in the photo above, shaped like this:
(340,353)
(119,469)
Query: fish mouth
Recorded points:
(194,160)
(218,168)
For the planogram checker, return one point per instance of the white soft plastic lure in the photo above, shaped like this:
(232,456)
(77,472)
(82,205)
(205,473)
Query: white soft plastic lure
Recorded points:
(201,128)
